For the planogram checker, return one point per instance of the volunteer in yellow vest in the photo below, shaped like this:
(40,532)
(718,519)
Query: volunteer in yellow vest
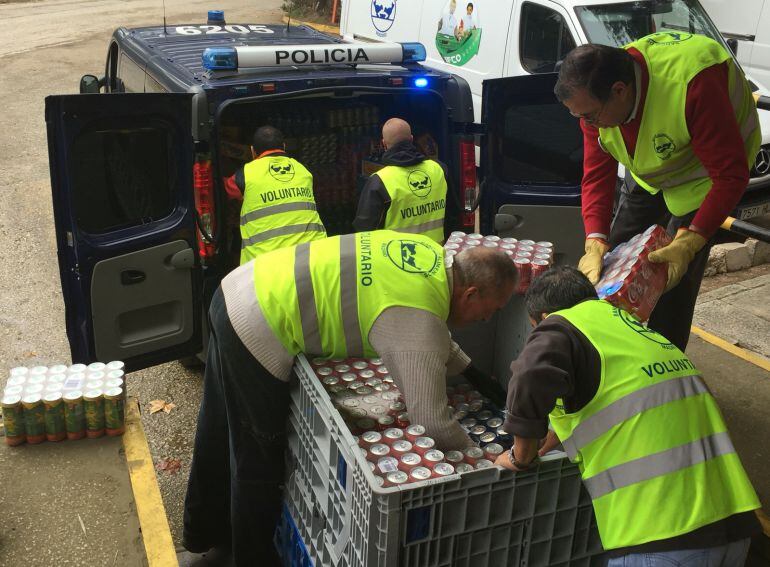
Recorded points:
(635,413)
(278,207)
(676,110)
(346,296)
(408,194)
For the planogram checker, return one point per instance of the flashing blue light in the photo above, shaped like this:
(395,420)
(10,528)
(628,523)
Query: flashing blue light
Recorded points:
(421,82)
(217,58)
(413,52)
(215,16)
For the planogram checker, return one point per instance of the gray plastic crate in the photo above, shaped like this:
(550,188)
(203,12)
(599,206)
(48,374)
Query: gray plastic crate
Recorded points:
(485,518)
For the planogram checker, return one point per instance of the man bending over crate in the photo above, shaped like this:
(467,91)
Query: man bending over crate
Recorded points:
(666,483)
(361,295)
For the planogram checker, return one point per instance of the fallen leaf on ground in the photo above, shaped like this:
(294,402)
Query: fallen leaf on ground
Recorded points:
(29,354)
(169,466)
(161,405)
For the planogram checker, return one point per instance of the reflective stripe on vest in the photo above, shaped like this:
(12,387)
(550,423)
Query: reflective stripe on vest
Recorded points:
(652,446)
(278,206)
(327,304)
(663,158)
(417,198)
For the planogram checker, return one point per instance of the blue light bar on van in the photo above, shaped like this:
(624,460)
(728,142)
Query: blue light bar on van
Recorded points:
(413,52)
(216,16)
(247,56)
(421,82)
(219,58)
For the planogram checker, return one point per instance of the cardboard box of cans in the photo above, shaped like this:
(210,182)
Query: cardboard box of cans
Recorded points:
(629,280)
(61,402)
(531,258)
(397,451)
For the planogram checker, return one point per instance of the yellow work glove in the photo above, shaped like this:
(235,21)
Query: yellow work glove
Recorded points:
(678,254)
(591,263)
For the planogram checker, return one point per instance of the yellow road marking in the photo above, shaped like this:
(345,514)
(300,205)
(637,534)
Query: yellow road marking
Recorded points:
(156,534)
(746,355)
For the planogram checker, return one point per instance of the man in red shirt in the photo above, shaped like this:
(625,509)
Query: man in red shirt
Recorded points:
(606,87)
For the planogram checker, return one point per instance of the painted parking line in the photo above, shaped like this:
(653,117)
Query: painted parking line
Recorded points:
(746,355)
(156,534)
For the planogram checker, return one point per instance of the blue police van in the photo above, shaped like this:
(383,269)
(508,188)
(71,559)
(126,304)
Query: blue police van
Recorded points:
(138,162)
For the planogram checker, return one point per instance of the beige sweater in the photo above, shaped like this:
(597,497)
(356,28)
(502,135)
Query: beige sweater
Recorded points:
(414,344)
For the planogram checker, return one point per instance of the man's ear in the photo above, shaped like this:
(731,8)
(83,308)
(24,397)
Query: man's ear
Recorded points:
(470,292)
(543,316)
(253,153)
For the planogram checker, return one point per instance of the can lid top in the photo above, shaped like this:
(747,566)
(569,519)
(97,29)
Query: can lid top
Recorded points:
(11,400)
(76,368)
(31,399)
(73,395)
(114,392)
(52,397)
(95,393)
(57,369)
(115,374)
(19,371)
(96,366)
(116,365)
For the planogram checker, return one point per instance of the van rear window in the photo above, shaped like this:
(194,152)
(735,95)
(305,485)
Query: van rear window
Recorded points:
(538,143)
(122,177)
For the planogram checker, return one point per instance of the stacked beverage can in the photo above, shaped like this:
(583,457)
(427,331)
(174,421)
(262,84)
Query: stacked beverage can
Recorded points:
(59,402)
(629,280)
(531,258)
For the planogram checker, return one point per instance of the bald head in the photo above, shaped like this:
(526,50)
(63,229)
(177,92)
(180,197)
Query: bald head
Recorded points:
(483,281)
(394,131)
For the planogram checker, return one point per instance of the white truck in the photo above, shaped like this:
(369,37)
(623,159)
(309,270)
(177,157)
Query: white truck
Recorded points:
(481,40)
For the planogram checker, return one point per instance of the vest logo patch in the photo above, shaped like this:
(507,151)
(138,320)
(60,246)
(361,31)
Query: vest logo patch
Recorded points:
(419,183)
(667,38)
(281,170)
(412,256)
(643,331)
(664,145)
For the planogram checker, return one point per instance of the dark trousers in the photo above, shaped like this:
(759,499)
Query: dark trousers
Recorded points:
(637,210)
(234,493)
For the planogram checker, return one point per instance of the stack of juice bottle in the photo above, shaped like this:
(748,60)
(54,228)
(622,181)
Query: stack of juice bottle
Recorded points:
(531,258)
(397,451)
(64,402)
(629,280)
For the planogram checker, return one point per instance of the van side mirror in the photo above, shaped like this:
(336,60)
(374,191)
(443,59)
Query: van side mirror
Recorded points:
(90,84)
(732,43)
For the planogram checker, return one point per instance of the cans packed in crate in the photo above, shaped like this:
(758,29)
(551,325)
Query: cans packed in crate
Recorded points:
(629,280)
(61,402)
(531,258)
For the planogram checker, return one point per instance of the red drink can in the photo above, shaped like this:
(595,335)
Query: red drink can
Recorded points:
(400,448)
(492,451)
(440,470)
(382,370)
(342,368)
(402,420)
(478,430)
(494,422)
(419,473)
(366,374)
(324,371)
(468,423)
(423,444)
(385,422)
(377,452)
(360,365)
(527,242)
(369,438)
(365,424)
(432,457)
(387,465)
(395,408)
(396,478)
(524,268)
(539,267)
(484,464)
(473,454)
(463,468)
(409,462)
(391,435)
(453,457)
(414,431)
(330,380)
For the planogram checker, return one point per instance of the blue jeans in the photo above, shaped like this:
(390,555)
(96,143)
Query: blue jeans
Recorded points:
(730,555)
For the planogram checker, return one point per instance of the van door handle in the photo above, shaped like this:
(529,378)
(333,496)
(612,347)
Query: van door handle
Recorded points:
(505,222)
(184,259)
(130,277)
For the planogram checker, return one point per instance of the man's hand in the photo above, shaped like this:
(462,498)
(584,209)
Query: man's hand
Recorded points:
(486,385)
(591,263)
(549,443)
(504,460)
(678,254)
